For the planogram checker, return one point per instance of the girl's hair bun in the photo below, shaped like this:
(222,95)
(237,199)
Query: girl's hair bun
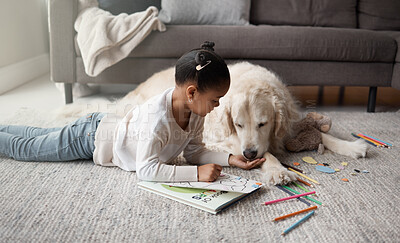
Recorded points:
(208,45)
(200,58)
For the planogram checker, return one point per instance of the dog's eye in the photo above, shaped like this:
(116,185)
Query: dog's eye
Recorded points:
(261,125)
(239,125)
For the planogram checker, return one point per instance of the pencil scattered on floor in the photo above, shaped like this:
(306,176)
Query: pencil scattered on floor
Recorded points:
(378,140)
(373,141)
(295,213)
(309,198)
(302,188)
(304,182)
(287,198)
(298,222)
(293,168)
(302,175)
(291,194)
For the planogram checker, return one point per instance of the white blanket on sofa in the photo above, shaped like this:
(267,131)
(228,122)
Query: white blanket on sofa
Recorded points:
(105,39)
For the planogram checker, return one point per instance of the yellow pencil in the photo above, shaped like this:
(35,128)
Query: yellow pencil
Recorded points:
(300,174)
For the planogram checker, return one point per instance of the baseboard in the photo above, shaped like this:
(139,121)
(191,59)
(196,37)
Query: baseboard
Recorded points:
(14,75)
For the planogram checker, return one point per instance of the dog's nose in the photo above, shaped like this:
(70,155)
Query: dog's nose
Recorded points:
(250,154)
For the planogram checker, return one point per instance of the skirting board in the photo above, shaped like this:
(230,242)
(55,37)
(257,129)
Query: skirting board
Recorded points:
(14,75)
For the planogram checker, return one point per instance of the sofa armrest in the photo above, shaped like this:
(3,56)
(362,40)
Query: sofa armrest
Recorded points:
(62,15)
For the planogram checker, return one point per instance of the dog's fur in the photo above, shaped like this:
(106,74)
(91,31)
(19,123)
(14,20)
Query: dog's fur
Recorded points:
(256,96)
(255,115)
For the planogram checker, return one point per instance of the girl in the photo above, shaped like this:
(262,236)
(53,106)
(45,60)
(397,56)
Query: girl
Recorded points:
(149,136)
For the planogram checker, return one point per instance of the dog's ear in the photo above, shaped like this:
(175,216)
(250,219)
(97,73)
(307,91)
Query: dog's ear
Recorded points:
(226,118)
(286,113)
(280,119)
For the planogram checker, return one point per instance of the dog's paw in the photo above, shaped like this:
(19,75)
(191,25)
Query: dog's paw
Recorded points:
(357,149)
(278,175)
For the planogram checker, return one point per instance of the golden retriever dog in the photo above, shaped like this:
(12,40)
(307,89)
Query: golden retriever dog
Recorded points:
(253,118)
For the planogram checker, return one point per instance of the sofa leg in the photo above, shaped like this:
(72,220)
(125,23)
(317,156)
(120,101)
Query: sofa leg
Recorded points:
(320,100)
(341,95)
(68,93)
(372,98)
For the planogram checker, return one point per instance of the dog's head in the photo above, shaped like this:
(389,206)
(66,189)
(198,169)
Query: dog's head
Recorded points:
(260,118)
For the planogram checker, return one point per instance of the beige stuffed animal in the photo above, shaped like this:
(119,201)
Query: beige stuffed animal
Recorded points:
(307,133)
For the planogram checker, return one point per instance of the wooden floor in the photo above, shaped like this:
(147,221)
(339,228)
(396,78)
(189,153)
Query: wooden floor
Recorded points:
(388,99)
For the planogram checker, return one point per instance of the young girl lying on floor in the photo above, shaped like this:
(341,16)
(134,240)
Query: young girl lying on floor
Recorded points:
(149,136)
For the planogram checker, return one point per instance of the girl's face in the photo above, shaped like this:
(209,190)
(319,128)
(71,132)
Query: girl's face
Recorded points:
(204,102)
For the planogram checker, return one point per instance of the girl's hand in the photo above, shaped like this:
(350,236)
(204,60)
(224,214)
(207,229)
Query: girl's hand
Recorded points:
(241,162)
(209,172)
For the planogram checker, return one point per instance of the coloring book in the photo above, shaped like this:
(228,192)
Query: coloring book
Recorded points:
(207,199)
(225,182)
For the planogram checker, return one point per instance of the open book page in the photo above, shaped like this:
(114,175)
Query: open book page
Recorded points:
(225,182)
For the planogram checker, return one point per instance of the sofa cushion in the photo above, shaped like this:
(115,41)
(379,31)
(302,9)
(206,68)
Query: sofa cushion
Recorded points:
(379,15)
(127,6)
(330,13)
(272,43)
(221,12)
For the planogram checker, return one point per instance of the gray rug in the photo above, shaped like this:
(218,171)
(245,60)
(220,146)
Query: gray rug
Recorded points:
(80,202)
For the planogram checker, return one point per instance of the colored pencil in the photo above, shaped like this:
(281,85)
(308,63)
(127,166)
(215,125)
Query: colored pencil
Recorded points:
(377,139)
(288,166)
(300,174)
(291,194)
(302,188)
(372,141)
(376,144)
(295,213)
(298,222)
(287,198)
(309,198)
(354,135)
(304,182)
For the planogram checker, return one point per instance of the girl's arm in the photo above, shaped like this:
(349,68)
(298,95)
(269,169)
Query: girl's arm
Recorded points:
(150,168)
(139,151)
(196,152)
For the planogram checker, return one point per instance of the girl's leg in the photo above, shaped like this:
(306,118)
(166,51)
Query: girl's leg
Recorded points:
(74,141)
(27,131)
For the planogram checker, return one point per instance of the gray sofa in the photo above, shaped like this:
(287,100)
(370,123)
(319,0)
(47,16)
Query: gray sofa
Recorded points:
(309,42)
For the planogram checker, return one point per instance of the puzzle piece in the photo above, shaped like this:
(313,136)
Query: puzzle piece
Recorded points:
(324,169)
(309,160)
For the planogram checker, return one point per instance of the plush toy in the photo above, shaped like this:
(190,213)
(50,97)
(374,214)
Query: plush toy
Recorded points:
(307,133)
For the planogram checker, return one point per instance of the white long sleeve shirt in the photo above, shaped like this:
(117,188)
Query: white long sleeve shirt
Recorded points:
(148,137)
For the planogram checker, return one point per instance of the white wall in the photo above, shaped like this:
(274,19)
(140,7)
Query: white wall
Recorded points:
(24,44)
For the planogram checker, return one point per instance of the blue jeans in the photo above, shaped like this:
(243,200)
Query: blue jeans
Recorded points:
(71,142)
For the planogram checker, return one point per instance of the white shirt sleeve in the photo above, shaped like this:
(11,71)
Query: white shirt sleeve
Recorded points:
(140,152)
(150,168)
(196,152)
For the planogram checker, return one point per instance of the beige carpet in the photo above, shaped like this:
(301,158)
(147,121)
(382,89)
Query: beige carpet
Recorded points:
(81,202)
